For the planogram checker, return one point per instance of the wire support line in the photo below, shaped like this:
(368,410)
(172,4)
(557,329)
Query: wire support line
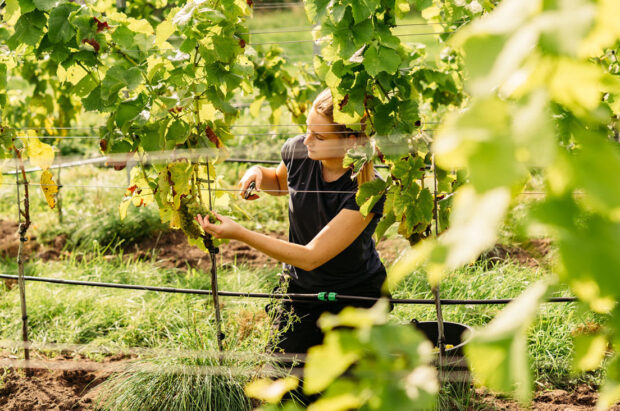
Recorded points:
(231,126)
(61,137)
(295,297)
(312,28)
(137,366)
(147,351)
(329,39)
(236,135)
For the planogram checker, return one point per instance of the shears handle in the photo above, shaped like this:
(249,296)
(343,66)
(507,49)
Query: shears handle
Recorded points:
(249,190)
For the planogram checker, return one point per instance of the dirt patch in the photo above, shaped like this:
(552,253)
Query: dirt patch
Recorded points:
(581,398)
(531,253)
(9,240)
(170,249)
(50,387)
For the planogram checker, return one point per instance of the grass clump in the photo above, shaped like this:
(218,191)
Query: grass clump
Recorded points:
(178,384)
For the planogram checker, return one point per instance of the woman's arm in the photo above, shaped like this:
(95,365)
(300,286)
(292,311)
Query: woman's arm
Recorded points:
(337,235)
(273,181)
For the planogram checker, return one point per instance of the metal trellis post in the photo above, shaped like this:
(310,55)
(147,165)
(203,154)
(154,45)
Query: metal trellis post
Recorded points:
(212,252)
(440,329)
(23,227)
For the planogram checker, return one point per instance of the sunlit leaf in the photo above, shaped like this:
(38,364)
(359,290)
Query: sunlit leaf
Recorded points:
(49,187)
(589,351)
(269,390)
(497,353)
(341,402)
(39,153)
(326,362)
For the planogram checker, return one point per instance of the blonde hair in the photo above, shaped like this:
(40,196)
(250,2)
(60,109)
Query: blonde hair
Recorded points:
(324,104)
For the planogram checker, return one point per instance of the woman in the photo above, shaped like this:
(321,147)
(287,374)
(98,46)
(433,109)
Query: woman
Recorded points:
(330,245)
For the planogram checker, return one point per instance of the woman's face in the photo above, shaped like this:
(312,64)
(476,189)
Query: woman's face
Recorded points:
(323,139)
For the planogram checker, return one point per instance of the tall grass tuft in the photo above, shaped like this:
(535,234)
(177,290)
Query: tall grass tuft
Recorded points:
(178,384)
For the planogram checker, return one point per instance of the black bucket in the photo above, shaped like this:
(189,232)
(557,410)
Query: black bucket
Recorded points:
(454,365)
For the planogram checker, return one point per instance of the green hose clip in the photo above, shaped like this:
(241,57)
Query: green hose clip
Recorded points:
(325,296)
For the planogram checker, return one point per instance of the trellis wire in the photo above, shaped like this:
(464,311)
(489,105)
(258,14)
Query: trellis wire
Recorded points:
(159,49)
(231,126)
(312,28)
(294,297)
(237,135)
(329,39)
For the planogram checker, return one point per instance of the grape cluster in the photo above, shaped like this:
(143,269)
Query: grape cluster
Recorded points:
(188,211)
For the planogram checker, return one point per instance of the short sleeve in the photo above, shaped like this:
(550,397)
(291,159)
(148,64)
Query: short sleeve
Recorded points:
(291,150)
(377,209)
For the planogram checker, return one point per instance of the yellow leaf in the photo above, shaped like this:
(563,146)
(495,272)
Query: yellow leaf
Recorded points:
(140,26)
(326,362)
(255,106)
(39,153)
(341,402)
(606,29)
(49,187)
(61,73)
(75,73)
(163,31)
(269,390)
(207,111)
(410,261)
(122,208)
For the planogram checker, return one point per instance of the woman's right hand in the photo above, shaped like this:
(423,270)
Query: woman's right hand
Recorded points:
(254,174)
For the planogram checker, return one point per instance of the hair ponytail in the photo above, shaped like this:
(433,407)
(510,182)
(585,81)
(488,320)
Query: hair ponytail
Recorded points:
(324,104)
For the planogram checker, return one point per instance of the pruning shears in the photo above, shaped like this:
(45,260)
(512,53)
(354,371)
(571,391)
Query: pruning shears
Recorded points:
(248,191)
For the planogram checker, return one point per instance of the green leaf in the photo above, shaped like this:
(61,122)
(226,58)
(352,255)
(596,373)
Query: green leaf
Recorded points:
(386,222)
(381,59)
(85,86)
(326,362)
(361,10)
(609,394)
(11,10)
(475,220)
(3,72)
(589,351)
(26,6)
(28,29)
(480,139)
(316,9)
(128,110)
(60,28)
(45,5)
(369,193)
(408,169)
(497,353)
(177,132)
(588,246)
(93,102)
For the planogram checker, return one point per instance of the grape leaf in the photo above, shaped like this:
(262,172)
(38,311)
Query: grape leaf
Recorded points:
(45,5)
(39,153)
(49,187)
(498,352)
(28,29)
(369,193)
(60,28)
(378,59)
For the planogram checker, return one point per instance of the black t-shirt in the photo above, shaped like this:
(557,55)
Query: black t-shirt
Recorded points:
(357,269)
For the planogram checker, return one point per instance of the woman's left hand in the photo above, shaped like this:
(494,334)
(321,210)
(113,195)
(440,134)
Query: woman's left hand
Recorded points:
(226,228)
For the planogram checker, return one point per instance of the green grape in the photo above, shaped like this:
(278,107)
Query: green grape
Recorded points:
(188,211)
